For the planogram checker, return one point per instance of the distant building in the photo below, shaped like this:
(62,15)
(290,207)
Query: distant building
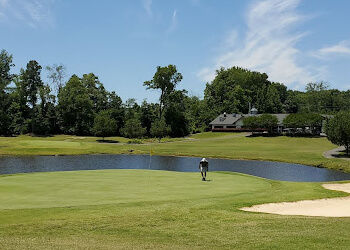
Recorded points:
(234,122)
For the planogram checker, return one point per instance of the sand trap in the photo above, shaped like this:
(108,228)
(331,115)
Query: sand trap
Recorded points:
(334,207)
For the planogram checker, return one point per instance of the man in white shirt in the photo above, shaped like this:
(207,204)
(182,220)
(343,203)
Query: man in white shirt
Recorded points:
(203,167)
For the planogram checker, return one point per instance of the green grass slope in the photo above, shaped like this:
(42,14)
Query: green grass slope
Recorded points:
(140,209)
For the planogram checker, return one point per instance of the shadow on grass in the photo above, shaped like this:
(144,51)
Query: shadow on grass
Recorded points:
(341,155)
(107,141)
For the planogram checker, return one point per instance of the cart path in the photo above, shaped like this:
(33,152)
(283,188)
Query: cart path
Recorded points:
(335,153)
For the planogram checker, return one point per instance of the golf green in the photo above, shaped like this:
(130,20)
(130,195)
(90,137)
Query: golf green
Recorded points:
(76,188)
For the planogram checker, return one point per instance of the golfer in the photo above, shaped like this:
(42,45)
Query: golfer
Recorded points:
(203,167)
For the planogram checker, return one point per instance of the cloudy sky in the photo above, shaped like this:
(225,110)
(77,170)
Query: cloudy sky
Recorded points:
(122,42)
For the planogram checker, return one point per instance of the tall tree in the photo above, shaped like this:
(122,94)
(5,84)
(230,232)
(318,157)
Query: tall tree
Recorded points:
(75,108)
(175,114)
(5,79)
(148,115)
(32,81)
(19,110)
(96,91)
(117,110)
(165,79)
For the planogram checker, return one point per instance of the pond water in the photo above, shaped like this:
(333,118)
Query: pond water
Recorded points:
(265,169)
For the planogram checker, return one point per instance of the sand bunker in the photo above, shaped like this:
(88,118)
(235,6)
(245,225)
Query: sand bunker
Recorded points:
(334,207)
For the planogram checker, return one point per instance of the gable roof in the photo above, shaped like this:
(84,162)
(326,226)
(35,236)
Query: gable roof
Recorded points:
(226,119)
(230,119)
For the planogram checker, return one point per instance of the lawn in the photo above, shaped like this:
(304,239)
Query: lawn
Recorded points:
(140,209)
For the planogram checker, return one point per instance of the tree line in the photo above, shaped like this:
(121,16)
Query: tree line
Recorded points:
(82,106)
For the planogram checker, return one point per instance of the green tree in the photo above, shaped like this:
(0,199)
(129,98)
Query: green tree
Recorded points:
(160,129)
(269,122)
(233,90)
(32,82)
(165,79)
(133,129)
(117,110)
(45,118)
(338,130)
(75,108)
(302,121)
(175,115)
(268,100)
(251,122)
(104,124)
(5,79)
(148,115)
(316,96)
(96,91)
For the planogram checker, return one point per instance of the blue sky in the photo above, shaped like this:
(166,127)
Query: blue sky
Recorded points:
(122,42)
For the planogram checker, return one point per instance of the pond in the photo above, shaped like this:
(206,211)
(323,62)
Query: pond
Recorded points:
(270,170)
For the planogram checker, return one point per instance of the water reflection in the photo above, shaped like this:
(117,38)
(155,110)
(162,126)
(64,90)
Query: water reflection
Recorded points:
(269,170)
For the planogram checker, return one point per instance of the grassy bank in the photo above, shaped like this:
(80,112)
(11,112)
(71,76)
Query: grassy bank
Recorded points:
(217,145)
(138,209)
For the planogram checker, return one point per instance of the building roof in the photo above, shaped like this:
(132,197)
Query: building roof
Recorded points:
(230,119)
(226,119)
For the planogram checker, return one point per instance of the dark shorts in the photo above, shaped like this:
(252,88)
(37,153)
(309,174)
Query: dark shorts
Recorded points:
(204,169)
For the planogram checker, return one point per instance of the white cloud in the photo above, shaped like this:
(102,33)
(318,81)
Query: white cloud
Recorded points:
(147,5)
(173,24)
(269,44)
(343,48)
(30,12)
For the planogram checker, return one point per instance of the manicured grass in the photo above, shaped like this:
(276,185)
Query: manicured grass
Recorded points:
(140,209)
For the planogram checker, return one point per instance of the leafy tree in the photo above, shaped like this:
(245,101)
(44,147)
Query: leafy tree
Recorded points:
(19,111)
(32,82)
(194,114)
(117,111)
(268,100)
(45,118)
(234,89)
(316,96)
(310,120)
(133,129)
(75,108)
(5,79)
(104,124)
(293,102)
(165,79)
(132,109)
(175,115)
(160,129)
(96,91)
(148,115)
(268,121)
(251,122)
(338,130)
